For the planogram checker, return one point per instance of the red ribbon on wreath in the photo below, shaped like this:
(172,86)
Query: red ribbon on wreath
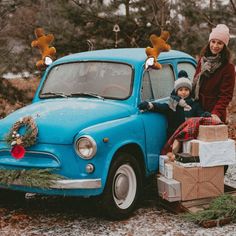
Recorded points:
(18,151)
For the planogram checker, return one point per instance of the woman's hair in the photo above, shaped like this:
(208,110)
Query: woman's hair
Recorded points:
(225,53)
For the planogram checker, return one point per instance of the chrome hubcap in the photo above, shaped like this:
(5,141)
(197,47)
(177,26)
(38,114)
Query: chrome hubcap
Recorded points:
(121,186)
(124,186)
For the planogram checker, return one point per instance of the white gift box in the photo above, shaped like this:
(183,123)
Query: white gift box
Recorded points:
(187,146)
(162,160)
(169,189)
(168,171)
(191,147)
(217,153)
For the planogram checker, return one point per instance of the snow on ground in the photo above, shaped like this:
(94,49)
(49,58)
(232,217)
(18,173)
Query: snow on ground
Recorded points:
(62,217)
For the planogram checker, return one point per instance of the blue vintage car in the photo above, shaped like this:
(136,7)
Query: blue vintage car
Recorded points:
(90,129)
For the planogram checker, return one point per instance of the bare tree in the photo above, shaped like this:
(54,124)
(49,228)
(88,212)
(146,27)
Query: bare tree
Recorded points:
(160,12)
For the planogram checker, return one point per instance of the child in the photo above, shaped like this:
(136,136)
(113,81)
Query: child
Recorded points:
(181,105)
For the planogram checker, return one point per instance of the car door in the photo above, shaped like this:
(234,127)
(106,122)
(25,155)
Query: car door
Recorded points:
(156,86)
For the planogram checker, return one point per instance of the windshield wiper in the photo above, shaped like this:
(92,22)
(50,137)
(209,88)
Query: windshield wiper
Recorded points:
(54,94)
(86,95)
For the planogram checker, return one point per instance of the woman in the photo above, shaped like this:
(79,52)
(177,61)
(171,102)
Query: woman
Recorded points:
(215,75)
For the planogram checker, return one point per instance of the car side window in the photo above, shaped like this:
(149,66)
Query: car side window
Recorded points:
(147,93)
(188,67)
(160,83)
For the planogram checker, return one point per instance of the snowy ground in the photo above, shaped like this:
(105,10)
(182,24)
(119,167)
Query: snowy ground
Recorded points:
(11,75)
(62,217)
(147,221)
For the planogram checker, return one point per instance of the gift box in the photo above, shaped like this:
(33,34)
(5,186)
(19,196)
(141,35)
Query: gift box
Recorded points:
(186,146)
(217,153)
(191,164)
(199,182)
(162,160)
(211,133)
(194,147)
(168,170)
(169,189)
(191,147)
(186,158)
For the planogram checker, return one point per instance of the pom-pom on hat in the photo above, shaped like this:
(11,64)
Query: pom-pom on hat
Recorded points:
(220,32)
(183,81)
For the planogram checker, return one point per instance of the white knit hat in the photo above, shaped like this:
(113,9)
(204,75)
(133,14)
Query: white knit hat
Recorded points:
(183,81)
(221,32)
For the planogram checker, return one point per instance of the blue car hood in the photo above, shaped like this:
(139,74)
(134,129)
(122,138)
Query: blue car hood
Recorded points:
(59,120)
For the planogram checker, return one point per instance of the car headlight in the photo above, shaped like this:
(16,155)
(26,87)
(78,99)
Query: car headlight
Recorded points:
(86,147)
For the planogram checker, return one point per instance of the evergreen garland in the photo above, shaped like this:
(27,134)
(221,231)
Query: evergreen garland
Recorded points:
(41,178)
(223,207)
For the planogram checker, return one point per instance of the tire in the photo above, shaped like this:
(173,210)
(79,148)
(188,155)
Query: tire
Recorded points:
(123,187)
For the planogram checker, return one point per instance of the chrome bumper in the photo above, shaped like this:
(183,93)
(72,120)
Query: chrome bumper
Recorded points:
(72,184)
(77,184)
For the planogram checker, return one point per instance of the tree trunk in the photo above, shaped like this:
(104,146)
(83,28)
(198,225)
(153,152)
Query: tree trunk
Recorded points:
(127,2)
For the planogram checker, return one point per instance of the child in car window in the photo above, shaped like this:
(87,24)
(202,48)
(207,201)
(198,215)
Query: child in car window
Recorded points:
(181,105)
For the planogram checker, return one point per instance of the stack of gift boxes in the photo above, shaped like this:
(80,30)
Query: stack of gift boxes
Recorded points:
(198,171)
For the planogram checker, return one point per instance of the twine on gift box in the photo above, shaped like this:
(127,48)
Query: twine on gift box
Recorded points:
(164,195)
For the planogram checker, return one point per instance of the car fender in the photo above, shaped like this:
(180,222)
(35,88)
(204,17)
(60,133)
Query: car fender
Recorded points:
(113,135)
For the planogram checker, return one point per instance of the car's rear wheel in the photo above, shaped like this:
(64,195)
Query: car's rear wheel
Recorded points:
(123,187)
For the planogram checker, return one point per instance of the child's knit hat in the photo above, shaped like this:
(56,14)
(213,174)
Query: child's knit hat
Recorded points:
(183,81)
(220,32)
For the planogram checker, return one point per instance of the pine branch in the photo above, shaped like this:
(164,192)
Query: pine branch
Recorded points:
(222,207)
(41,178)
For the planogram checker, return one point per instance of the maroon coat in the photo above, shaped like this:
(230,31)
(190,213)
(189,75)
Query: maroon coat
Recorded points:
(217,91)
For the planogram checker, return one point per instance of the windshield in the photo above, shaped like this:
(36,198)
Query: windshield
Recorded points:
(92,79)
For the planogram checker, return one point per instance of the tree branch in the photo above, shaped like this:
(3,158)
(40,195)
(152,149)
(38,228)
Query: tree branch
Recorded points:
(233,5)
(90,12)
(207,18)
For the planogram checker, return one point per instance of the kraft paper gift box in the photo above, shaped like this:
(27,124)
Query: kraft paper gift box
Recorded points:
(211,133)
(199,182)
(191,147)
(194,146)
(217,153)
(169,189)
(162,160)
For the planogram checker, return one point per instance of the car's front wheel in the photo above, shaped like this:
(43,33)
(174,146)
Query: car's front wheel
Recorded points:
(123,187)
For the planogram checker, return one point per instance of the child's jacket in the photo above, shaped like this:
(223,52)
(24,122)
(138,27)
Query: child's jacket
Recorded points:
(176,118)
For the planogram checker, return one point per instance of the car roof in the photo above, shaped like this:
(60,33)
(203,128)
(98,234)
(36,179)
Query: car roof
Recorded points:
(126,55)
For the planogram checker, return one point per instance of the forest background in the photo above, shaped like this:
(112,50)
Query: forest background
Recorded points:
(82,25)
